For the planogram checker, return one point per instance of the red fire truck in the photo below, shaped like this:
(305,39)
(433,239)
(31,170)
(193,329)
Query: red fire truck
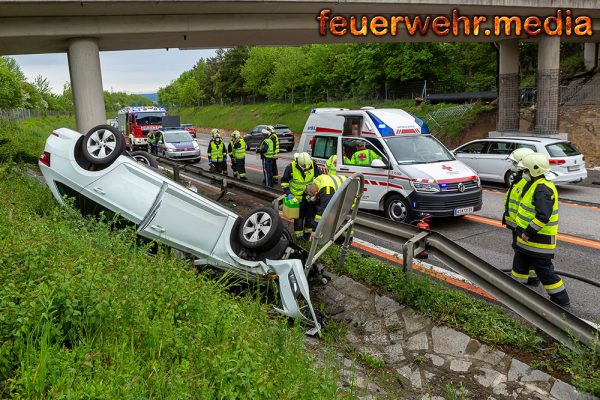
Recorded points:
(136,122)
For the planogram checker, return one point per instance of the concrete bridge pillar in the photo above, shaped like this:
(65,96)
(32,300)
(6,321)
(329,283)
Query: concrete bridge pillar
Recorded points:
(591,55)
(508,87)
(86,83)
(546,114)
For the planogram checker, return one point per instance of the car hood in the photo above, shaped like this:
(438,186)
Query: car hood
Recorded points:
(440,171)
(183,145)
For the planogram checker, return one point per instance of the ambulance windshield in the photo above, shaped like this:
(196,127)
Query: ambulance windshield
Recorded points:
(418,149)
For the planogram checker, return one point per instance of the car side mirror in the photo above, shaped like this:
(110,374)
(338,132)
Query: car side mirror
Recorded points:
(377,163)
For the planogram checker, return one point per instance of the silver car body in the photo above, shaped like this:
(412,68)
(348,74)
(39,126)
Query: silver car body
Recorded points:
(489,157)
(178,144)
(168,212)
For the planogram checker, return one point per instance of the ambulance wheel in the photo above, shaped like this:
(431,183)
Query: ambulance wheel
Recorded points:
(261,230)
(397,209)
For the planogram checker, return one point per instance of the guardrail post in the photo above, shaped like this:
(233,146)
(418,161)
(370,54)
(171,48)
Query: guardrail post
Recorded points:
(176,172)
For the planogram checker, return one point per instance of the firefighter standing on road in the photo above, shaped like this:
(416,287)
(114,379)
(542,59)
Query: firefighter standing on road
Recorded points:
(217,155)
(537,228)
(266,150)
(275,139)
(237,153)
(301,172)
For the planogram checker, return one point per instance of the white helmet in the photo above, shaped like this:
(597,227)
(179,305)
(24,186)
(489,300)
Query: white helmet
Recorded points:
(303,161)
(265,131)
(235,134)
(537,164)
(517,155)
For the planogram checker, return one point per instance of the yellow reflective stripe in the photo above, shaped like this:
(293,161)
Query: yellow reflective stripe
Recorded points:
(554,285)
(517,275)
(532,272)
(317,217)
(285,184)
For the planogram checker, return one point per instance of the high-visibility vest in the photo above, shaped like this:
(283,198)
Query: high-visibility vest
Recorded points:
(329,182)
(511,202)
(545,240)
(331,165)
(239,152)
(216,151)
(363,157)
(275,140)
(270,153)
(298,183)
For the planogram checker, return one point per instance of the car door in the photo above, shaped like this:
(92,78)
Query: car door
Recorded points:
(376,179)
(184,220)
(494,162)
(469,154)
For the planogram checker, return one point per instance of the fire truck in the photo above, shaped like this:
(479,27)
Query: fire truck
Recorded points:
(136,122)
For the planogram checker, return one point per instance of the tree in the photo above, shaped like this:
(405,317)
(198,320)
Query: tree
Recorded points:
(11,94)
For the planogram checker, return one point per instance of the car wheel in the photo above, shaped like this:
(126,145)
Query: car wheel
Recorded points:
(397,209)
(102,145)
(261,229)
(145,158)
(509,178)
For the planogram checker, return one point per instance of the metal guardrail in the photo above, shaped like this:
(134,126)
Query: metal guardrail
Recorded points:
(541,312)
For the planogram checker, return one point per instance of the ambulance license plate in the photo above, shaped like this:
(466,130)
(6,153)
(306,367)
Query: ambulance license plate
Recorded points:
(463,211)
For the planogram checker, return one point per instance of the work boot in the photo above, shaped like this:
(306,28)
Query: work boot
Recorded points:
(243,178)
(533,282)
(561,298)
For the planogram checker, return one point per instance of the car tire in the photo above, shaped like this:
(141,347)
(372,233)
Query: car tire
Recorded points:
(261,229)
(102,145)
(145,158)
(397,209)
(509,177)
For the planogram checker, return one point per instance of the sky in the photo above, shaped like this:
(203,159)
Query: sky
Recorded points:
(139,71)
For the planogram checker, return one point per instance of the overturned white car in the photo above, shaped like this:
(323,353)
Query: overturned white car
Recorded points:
(93,169)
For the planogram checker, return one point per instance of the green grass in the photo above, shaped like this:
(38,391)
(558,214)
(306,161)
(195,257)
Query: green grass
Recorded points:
(246,117)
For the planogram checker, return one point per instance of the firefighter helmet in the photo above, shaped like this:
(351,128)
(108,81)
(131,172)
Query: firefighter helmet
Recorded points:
(304,162)
(537,164)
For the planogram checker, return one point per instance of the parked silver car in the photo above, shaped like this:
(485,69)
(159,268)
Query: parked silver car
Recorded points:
(489,157)
(175,144)
(93,170)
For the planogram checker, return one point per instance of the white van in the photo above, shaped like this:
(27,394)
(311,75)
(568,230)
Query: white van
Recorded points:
(413,174)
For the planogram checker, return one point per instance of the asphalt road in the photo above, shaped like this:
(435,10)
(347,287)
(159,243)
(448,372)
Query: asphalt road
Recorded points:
(578,249)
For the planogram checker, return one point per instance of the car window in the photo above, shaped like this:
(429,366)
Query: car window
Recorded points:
(502,148)
(177,136)
(526,146)
(562,149)
(324,146)
(353,145)
(473,148)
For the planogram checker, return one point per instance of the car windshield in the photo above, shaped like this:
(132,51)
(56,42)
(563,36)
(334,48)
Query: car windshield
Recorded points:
(562,149)
(417,149)
(177,136)
(183,126)
(149,118)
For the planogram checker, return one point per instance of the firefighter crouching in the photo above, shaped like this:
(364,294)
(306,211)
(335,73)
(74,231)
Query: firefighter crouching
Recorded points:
(301,172)
(266,150)
(237,153)
(217,155)
(537,227)
(321,191)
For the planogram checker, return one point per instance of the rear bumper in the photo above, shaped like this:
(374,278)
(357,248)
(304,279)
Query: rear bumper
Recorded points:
(444,204)
(571,177)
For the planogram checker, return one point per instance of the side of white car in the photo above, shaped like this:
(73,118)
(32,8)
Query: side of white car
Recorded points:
(489,157)
(167,212)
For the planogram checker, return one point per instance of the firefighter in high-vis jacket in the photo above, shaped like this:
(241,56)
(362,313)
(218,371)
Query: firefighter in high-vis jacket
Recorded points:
(275,139)
(321,191)
(515,191)
(296,177)
(237,153)
(537,227)
(266,150)
(217,154)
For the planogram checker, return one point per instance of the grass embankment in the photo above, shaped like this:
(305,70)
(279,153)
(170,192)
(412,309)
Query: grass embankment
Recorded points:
(85,313)
(246,117)
(477,318)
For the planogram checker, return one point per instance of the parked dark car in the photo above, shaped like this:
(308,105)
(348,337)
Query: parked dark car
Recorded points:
(285,135)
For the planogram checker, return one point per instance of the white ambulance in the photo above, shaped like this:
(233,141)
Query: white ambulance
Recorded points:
(408,173)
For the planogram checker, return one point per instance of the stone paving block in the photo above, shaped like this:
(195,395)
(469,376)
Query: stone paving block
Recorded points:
(353,338)
(449,341)
(334,295)
(524,373)
(341,282)
(357,291)
(563,391)
(418,342)
(459,365)
(386,306)
(412,374)
(377,339)
(393,321)
(435,359)
(394,353)
(489,355)
(373,326)
(413,322)
(429,397)
(489,377)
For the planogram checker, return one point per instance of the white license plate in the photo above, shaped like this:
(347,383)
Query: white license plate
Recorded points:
(573,168)
(463,211)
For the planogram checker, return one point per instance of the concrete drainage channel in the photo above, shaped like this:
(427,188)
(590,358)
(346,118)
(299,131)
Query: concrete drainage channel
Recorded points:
(422,359)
